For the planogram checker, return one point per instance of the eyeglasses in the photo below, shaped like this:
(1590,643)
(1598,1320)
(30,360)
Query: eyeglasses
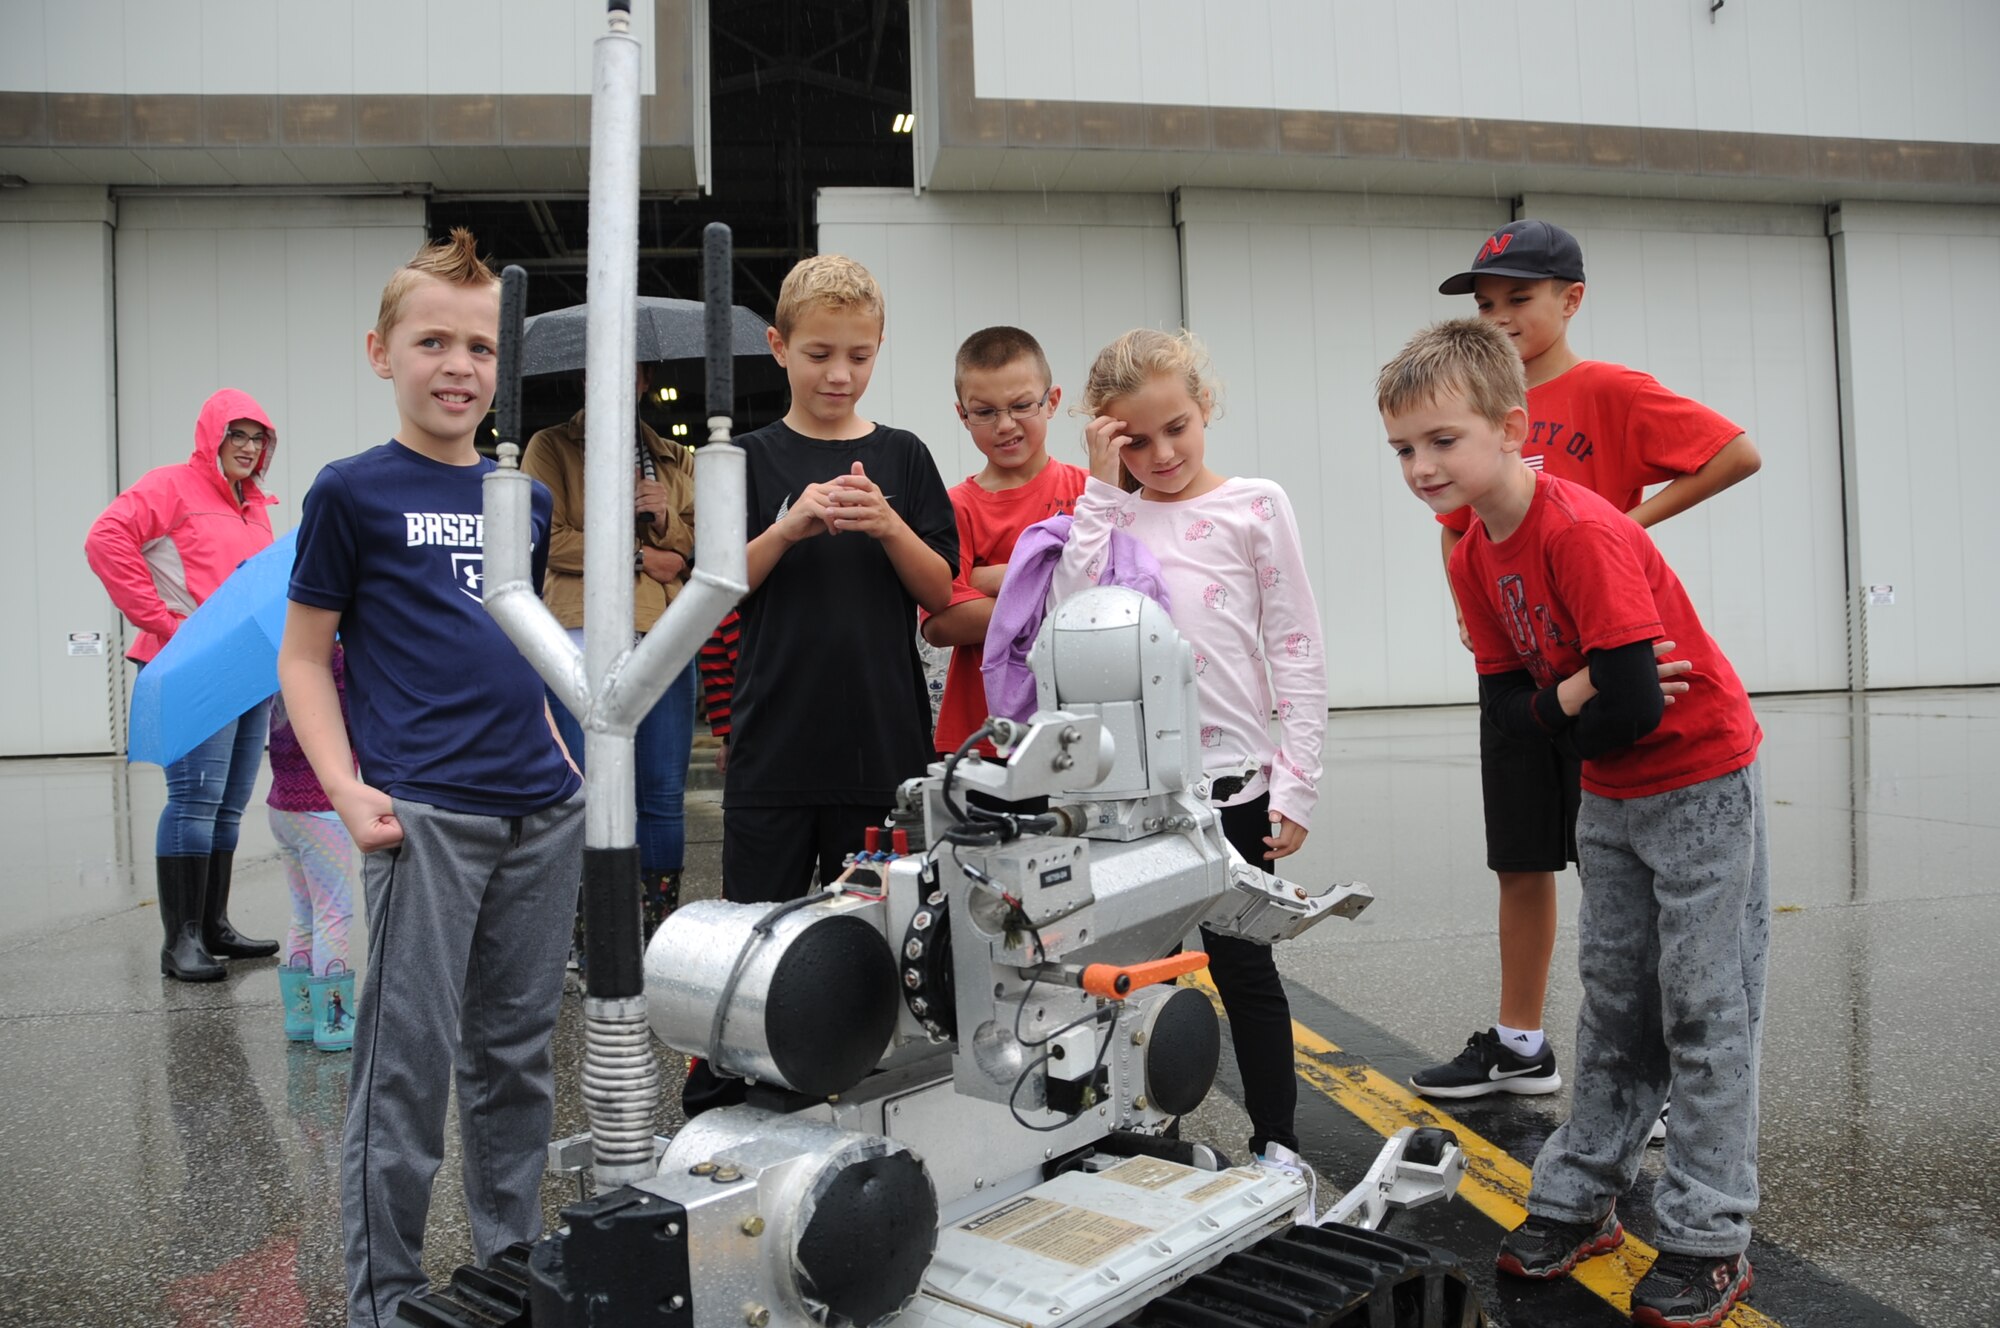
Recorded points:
(237,438)
(987,416)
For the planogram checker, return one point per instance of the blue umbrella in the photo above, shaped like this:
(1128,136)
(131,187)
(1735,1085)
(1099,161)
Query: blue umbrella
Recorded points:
(222,661)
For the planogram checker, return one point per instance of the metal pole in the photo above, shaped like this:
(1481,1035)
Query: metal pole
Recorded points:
(609,684)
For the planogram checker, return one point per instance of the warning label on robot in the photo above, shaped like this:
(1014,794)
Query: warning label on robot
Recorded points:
(1148,1173)
(1075,1236)
(1079,1237)
(1007,1219)
(1222,1184)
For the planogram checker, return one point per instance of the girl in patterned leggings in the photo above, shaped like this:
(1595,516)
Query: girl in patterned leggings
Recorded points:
(320,864)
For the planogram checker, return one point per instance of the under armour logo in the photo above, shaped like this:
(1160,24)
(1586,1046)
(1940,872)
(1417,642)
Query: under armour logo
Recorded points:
(1495,246)
(468,573)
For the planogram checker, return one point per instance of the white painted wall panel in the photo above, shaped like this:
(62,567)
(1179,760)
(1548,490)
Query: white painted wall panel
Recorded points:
(271,296)
(212,47)
(1733,306)
(1075,270)
(1424,57)
(1917,287)
(1363,31)
(239,48)
(1775,31)
(55,375)
(1920,70)
(1237,55)
(315,47)
(1300,299)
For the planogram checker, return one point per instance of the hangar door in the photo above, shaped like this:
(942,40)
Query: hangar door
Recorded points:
(1301,298)
(1732,304)
(1073,269)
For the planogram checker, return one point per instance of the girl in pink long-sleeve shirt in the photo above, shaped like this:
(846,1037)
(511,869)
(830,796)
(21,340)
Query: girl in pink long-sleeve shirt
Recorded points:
(1236,574)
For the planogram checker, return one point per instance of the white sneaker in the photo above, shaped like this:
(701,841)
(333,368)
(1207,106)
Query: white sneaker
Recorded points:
(1657,1136)
(1279,1160)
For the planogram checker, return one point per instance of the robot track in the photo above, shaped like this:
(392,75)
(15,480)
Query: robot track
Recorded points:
(1303,1277)
(1323,1277)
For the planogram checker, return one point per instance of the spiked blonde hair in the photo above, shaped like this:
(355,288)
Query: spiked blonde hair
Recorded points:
(454,261)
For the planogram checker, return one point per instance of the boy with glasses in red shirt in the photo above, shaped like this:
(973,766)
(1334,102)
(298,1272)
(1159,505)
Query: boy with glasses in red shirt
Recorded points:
(1006,398)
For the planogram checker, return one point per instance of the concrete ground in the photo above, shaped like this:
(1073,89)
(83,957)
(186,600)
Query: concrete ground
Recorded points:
(169,1159)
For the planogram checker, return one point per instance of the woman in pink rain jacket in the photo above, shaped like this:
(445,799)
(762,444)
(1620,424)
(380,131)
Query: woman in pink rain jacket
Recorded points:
(161,548)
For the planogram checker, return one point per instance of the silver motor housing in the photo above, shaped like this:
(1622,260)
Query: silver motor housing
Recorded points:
(804,997)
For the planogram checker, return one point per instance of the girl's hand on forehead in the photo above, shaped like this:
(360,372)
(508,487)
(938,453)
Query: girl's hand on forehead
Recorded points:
(1104,438)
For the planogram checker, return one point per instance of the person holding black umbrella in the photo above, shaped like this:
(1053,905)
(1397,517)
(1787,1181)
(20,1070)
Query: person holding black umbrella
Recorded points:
(161,548)
(662,557)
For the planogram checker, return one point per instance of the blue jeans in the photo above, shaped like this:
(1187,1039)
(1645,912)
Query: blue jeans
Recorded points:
(660,768)
(208,788)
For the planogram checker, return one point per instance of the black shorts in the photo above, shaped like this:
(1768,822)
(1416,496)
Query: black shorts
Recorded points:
(1531,791)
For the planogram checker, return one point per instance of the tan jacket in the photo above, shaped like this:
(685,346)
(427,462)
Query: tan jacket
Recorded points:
(555,457)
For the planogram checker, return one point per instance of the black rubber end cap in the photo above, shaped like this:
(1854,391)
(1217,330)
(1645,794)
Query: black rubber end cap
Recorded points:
(1427,1146)
(831,1006)
(870,1239)
(1182,1051)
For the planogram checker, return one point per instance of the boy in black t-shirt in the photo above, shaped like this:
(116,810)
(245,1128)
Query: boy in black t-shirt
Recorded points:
(469,812)
(851,529)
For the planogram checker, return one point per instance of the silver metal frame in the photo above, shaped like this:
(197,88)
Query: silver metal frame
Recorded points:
(611,684)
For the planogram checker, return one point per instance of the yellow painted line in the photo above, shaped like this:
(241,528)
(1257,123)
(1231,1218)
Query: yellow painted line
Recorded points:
(1496,1182)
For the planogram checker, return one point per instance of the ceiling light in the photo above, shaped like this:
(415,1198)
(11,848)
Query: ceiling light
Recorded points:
(905,122)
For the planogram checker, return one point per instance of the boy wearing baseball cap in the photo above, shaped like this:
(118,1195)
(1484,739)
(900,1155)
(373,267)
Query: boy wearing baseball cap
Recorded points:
(1613,430)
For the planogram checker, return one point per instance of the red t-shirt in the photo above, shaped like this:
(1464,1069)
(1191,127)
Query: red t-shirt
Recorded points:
(1614,430)
(988,524)
(1580,576)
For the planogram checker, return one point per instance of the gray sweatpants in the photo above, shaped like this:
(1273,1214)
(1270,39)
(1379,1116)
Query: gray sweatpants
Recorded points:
(468,928)
(1672,941)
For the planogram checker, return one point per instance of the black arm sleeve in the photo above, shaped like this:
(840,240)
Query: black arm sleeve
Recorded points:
(1628,704)
(1627,707)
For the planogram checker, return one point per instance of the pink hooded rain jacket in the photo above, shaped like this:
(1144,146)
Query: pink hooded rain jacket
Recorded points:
(166,543)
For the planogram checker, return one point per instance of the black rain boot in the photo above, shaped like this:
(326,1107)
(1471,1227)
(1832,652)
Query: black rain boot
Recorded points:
(224,941)
(183,880)
(659,896)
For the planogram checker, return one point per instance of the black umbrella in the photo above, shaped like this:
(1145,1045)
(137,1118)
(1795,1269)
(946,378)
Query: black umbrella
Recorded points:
(668,330)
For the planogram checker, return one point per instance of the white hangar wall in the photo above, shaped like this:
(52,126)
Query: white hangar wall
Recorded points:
(1918,343)
(1301,297)
(1075,270)
(1851,68)
(56,378)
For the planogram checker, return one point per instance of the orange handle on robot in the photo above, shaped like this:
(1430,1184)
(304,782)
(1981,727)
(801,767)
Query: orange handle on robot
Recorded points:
(1114,982)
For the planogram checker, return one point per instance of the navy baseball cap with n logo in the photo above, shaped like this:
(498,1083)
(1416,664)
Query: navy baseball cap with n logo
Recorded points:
(1530,250)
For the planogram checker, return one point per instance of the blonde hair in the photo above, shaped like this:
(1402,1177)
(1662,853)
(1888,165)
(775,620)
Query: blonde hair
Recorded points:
(454,261)
(1142,355)
(1464,355)
(827,281)
(1136,359)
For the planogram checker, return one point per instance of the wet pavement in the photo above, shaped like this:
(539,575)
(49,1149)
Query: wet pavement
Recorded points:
(170,1160)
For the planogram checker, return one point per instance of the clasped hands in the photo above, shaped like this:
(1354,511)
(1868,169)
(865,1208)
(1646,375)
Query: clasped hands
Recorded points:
(846,503)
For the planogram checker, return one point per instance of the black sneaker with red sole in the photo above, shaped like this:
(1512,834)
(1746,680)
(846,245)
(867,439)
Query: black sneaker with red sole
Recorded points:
(1690,1290)
(1543,1248)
